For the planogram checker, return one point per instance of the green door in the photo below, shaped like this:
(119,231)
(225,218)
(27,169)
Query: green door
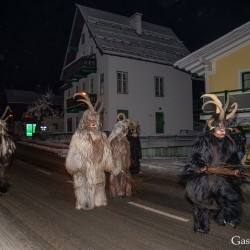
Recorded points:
(159,118)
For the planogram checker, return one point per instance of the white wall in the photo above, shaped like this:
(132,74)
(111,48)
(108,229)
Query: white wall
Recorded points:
(141,102)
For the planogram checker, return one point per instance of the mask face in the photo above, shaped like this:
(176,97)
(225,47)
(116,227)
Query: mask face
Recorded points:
(220,130)
(91,120)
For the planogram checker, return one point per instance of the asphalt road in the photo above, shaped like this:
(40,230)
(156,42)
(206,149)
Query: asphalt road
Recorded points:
(39,212)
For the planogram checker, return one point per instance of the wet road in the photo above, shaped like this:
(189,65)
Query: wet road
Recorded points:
(38,213)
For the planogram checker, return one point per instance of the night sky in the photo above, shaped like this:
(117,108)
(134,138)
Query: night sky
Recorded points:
(34,34)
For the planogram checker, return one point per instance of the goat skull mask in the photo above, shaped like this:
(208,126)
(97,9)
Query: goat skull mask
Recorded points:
(218,122)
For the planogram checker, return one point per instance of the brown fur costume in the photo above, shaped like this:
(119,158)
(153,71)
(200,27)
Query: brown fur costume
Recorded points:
(88,158)
(120,180)
(7,149)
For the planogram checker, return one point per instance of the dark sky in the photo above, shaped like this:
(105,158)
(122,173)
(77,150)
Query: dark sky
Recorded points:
(34,34)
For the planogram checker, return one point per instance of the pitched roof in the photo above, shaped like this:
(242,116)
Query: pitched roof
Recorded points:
(114,34)
(197,61)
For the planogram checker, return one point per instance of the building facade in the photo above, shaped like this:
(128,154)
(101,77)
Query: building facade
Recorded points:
(225,65)
(128,65)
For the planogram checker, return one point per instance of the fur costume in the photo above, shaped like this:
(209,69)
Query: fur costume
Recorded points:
(88,158)
(214,147)
(135,146)
(120,180)
(7,150)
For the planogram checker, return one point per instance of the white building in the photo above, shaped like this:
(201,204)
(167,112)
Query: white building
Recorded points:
(127,64)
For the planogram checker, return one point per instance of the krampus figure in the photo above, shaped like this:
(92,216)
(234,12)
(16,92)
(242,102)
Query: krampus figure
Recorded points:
(88,158)
(120,180)
(214,149)
(135,146)
(7,149)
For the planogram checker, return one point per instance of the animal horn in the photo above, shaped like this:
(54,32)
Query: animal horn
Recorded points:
(85,99)
(209,123)
(226,105)
(98,106)
(235,104)
(217,102)
(6,110)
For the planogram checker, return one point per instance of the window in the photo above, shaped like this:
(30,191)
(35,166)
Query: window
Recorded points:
(77,89)
(245,78)
(101,84)
(91,86)
(83,38)
(83,86)
(77,121)
(159,86)
(69,124)
(91,50)
(122,82)
(159,120)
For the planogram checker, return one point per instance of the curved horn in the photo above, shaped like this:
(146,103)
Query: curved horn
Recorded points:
(98,106)
(6,110)
(214,97)
(227,103)
(218,107)
(85,99)
(209,123)
(235,104)
(217,102)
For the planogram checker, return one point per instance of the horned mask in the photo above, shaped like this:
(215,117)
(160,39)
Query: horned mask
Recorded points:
(91,117)
(218,121)
(6,115)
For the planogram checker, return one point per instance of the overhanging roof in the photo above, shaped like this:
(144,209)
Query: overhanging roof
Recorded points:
(199,60)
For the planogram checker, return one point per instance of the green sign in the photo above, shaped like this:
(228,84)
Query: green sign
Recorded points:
(30,129)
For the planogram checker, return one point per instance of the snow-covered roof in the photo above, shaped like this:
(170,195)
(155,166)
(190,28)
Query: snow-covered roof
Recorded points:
(197,61)
(116,34)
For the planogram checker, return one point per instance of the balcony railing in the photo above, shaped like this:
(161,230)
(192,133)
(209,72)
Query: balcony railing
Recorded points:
(80,68)
(241,96)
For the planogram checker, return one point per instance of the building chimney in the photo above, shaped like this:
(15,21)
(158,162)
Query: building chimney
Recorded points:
(135,22)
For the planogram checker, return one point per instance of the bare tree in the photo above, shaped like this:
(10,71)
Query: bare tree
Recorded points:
(43,108)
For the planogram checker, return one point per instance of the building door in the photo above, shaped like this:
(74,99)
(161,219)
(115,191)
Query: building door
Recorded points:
(69,124)
(159,119)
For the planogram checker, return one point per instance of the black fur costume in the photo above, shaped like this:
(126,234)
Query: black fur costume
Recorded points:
(203,188)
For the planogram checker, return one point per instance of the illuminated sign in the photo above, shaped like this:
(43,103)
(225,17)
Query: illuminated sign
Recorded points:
(30,129)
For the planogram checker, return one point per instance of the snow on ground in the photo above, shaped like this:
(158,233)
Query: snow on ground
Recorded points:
(166,164)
